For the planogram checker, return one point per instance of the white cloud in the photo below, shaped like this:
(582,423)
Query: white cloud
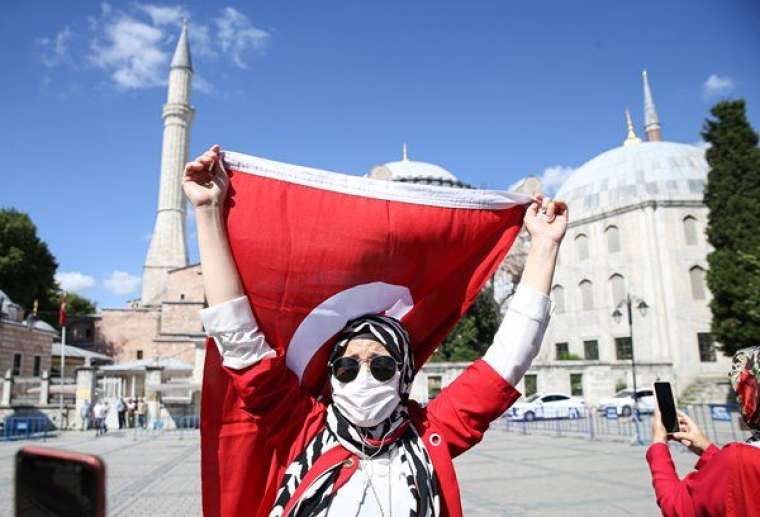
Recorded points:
(717,85)
(121,282)
(164,15)
(74,281)
(55,50)
(131,52)
(553,178)
(237,35)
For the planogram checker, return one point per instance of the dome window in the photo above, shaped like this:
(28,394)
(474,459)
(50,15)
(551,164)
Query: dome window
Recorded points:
(613,239)
(690,230)
(697,277)
(581,246)
(558,298)
(587,295)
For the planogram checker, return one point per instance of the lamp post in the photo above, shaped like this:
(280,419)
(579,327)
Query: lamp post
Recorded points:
(628,302)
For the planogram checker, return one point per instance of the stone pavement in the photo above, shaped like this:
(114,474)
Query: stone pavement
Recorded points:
(158,474)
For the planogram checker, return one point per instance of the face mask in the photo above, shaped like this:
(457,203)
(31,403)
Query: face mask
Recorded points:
(365,401)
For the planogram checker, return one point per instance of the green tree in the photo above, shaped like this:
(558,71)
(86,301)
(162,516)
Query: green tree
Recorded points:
(732,192)
(27,267)
(474,332)
(76,305)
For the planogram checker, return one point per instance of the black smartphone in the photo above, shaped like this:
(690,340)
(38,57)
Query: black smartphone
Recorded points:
(666,403)
(51,482)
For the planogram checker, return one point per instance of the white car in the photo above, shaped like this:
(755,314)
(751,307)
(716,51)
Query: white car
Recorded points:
(623,403)
(547,405)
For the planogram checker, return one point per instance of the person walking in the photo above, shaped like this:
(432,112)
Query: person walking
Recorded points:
(121,411)
(131,407)
(725,482)
(84,415)
(141,410)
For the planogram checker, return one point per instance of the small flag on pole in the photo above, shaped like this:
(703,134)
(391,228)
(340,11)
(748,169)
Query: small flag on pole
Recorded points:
(62,312)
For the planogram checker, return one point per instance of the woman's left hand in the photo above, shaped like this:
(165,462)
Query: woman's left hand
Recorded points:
(547,218)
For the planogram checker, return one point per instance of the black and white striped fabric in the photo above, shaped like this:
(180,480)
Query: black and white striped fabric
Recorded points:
(340,432)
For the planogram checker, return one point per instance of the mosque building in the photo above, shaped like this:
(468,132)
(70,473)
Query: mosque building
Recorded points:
(637,228)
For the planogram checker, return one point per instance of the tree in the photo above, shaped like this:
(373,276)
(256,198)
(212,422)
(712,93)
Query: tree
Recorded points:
(474,332)
(731,194)
(27,267)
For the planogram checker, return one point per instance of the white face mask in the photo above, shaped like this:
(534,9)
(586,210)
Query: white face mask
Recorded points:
(365,401)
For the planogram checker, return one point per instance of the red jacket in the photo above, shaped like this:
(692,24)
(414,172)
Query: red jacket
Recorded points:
(725,482)
(449,425)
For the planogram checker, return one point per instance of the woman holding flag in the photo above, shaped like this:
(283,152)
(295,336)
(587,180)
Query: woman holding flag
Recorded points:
(366,449)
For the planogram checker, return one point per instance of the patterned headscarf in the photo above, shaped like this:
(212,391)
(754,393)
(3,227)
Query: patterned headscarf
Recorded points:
(745,376)
(395,431)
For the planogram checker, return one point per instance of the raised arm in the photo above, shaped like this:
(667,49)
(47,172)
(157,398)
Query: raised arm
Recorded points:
(518,340)
(205,182)
(465,409)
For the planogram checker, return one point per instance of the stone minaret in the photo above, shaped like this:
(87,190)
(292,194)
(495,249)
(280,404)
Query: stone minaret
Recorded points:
(651,120)
(168,245)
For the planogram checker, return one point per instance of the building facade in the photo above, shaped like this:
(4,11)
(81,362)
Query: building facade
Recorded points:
(637,228)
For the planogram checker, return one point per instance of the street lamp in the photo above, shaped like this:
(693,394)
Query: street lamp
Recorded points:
(617,315)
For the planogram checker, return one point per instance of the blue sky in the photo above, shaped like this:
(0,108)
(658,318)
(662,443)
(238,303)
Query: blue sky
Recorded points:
(493,91)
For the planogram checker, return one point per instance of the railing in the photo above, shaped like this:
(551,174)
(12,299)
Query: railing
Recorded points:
(26,428)
(720,422)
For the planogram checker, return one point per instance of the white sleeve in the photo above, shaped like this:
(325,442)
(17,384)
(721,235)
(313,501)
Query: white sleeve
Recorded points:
(519,337)
(236,333)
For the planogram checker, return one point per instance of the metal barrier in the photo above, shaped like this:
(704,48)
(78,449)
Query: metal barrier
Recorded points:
(720,422)
(26,428)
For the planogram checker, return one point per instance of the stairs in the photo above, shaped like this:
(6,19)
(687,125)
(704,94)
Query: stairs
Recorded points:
(708,390)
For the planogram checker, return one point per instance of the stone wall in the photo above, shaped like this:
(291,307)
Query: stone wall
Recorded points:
(120,333)
(17,338)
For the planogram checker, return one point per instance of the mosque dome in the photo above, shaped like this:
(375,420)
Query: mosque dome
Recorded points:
(635,173)
(412,171)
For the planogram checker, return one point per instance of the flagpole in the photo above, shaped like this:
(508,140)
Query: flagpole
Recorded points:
(63,367)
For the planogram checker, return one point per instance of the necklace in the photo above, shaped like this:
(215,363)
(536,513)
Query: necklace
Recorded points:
(368,483)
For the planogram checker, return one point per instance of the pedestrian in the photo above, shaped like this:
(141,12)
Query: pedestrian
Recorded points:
(141,410)
(131,407)
(725,481)
(97,412)
(371,450)
(121,411)
(84,415)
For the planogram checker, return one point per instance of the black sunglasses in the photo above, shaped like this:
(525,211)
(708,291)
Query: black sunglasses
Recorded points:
(382,367)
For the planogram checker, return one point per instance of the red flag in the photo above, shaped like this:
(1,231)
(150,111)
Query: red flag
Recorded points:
(315,249)
(62,311)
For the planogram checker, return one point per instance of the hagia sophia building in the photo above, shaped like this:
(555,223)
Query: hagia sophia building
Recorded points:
(637,228)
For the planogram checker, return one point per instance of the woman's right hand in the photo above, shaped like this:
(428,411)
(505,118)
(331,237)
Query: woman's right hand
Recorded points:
(205,181)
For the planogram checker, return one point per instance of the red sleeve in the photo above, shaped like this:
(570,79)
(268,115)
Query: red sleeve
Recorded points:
(701,492)
(269,391)
(464,409)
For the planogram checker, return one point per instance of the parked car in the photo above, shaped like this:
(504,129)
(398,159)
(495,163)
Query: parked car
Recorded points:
(623,402)
(547,405)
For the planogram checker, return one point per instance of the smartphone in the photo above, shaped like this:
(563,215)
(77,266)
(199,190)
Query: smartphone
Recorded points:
(667,406)
(52,482)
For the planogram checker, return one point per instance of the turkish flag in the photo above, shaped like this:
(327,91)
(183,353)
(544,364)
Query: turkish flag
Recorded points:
(315,249)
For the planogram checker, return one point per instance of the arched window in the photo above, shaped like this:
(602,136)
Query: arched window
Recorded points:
(690,230)
(587,295)
(558,297)
(613,239)
(581,245)
(617,286)
(697,277)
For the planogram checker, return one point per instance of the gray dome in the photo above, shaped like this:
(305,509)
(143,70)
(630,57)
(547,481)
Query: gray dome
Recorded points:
(635,173)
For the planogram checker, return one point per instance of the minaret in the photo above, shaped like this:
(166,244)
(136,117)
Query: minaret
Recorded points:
(631,139)
(651,120)
(168,245)
(404,153)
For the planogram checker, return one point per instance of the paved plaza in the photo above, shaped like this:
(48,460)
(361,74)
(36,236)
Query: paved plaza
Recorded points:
(508,474)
